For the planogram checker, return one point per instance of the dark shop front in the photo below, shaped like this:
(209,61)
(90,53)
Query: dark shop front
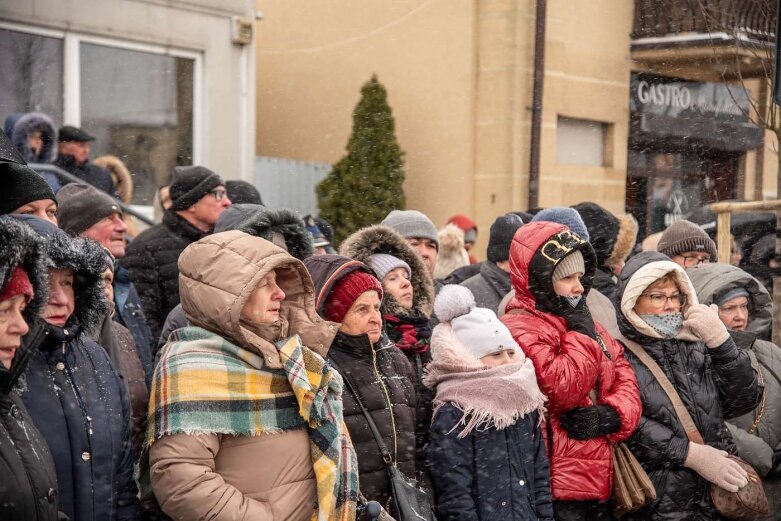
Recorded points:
(686,144)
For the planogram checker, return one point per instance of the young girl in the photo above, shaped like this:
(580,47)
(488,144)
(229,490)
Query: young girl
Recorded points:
(486,453)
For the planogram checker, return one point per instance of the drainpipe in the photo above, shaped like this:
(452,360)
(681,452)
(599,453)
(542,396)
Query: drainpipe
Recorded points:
(536,130)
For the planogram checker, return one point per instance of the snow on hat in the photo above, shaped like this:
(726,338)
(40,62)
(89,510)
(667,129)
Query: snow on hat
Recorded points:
(479,329)
(346,292)
(21,185)
(572,263)
(81,206)
(501,236)
(412,224)
(382,264)
(189,184)
(569,217)
(685,236)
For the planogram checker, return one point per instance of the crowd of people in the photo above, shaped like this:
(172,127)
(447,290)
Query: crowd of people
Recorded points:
(229,363)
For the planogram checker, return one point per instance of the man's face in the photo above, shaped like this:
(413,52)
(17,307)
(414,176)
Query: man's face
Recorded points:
(689,259)
(110,233)
(209,207)
(78,149)
(45,209)
(427,249)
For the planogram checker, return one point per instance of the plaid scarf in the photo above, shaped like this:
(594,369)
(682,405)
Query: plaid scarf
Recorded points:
(205,384)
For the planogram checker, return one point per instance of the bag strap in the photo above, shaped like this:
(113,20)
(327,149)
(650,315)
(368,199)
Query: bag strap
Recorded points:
(387,457)
(680,409)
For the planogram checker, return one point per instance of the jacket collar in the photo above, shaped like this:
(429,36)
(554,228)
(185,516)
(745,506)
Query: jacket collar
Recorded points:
(496,277)
(180,226)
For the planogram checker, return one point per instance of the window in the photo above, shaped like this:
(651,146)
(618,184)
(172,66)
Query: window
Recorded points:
(582,142)
(32,77)
(139,106)
(139,101)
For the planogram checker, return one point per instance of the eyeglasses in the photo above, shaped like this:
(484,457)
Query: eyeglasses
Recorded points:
(694,260)
(219,195)
(660,299)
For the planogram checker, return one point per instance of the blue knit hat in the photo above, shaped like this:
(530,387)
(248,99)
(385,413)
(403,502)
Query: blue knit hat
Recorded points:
(569,217)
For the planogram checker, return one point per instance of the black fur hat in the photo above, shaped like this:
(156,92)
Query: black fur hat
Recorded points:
(263,222)
(22,247)
(85,257)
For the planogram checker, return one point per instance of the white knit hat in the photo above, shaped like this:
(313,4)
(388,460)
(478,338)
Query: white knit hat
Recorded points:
(479,329)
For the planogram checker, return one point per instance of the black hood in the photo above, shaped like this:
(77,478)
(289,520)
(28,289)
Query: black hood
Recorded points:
(23,247)
(263,222)
(326,271)
(86,258)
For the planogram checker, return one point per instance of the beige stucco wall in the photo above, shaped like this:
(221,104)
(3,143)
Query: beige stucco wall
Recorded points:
(313,58)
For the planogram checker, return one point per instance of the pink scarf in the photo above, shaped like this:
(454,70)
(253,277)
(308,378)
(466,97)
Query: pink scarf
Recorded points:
(490,397)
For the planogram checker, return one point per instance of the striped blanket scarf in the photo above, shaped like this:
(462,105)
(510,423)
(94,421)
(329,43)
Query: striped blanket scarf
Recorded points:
(205,384)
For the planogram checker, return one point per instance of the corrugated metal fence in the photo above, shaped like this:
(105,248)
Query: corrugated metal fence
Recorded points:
(287,183)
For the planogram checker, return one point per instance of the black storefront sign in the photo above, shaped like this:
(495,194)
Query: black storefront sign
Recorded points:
(707,115)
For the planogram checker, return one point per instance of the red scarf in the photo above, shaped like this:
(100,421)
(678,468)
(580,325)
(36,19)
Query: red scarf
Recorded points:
(411,333)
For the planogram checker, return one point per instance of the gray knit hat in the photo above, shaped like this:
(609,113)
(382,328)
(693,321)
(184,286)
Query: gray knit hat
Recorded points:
(189,184)
(382,264)
(684,236)
(79,206)
(572,263)
(569,217)
(412,224)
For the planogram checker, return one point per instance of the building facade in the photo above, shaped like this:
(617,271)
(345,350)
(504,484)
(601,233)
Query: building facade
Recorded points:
(159,84)
(459,76)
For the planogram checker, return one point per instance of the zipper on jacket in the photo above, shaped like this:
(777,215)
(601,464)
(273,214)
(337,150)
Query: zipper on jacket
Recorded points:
(388,399)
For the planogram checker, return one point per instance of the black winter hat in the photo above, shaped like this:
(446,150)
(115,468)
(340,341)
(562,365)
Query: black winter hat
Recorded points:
(70,133)
(82,205)
(502,231)
(189,184)
(602,229)
(242,192)
(21,185)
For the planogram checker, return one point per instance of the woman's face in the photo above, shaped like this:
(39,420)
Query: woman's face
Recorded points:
(265,302)
(569,286)
(62,301)
(660,298)
(397,283)
(12,327)
(363,317)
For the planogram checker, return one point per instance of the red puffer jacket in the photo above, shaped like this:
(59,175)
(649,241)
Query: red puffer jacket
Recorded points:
(569,364)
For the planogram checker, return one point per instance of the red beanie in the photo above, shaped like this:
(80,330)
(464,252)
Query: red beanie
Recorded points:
(347,291)
(463,222)
(18,284)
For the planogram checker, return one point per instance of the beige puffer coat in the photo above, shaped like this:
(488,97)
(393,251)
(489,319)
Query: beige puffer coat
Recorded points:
(223,477)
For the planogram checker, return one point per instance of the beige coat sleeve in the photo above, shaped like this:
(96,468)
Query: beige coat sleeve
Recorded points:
(187,487)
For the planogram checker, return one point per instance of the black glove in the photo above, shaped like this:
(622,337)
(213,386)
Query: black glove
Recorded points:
(583,423)
(579,318)
(775,472)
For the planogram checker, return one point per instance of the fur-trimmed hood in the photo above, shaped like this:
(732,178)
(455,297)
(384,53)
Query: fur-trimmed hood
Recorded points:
(625,241)
(382,239)
(22,247)
(86,258)
(22,130)
(123,182)
(452,254)
(259,221)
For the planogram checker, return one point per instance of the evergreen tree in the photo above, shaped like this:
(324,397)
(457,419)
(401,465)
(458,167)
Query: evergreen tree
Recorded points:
(366,183)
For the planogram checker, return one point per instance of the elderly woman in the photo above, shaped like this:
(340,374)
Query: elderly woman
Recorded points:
(714,379)
(745,307)
(73,393)
(349,293)
(245,415)
(28,488)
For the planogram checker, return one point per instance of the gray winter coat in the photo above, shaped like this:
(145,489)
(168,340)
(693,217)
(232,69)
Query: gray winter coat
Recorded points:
(755,444)
(489,286)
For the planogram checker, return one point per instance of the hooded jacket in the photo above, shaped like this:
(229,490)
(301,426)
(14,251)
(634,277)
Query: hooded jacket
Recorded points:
(20,134)
(151,260)
(75,397)
(28,489)
(710,281)
(216,476)
(714,384)
(258,221)
(569,364)
(384,378)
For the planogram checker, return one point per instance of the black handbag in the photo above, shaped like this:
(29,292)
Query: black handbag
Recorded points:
(410,502)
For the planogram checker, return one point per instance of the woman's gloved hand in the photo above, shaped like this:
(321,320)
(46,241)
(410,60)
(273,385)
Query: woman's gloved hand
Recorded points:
(704,321)
(714,466)
(583,423)
(579,318)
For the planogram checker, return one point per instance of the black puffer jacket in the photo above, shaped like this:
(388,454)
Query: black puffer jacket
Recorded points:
(382,376)
(151,260)
(713,384)
(28,486)
(88,172)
